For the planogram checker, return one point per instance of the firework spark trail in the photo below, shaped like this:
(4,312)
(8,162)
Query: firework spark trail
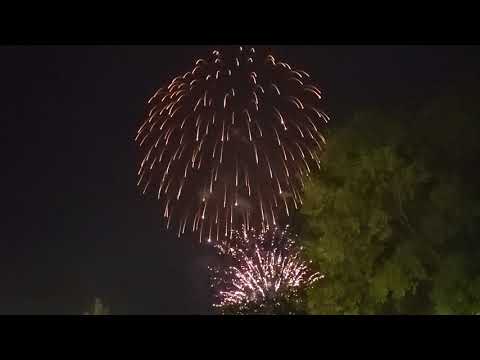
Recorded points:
(262,266)
(237,115)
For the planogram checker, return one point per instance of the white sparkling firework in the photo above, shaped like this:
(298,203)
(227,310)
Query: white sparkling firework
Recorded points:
(231,140)
(260,267)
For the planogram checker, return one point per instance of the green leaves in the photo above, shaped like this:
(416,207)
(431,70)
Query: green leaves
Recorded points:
(383,216)
(456,287)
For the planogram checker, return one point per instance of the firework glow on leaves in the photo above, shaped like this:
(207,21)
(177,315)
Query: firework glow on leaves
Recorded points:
(262,267)
(229,143)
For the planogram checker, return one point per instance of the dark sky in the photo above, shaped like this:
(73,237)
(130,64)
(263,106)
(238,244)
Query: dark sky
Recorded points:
(74,225)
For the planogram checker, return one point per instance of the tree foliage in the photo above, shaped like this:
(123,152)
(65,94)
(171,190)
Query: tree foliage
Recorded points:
(392,217)
(98,308)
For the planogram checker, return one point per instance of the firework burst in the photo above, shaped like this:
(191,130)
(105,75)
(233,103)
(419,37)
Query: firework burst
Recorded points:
(261,269)
(230,143)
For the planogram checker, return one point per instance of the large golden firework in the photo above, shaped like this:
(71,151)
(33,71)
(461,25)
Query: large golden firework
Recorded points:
(230,143)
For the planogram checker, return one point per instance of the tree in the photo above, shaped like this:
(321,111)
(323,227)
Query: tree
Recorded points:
(386,212)
(278,307)
(99,308)
(456,288)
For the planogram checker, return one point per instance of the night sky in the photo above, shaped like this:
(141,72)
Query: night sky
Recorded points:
(74,225)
